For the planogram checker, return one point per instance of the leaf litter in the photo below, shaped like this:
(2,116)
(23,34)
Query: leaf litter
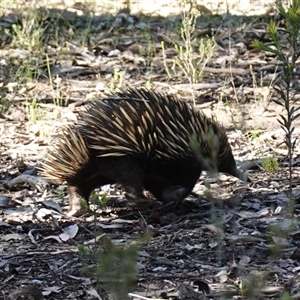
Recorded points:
(225,239)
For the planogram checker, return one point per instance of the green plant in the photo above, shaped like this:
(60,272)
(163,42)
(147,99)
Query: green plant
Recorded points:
(4,102)
(251,287)
(29,34)
(236,117)
(55,85)
(270,164)
(116,80)
(150,54)
(262,93)
(287,61)
(286,296)
(193,54)
(278,234)
(86,32)
(117,266)
(192,62)
(34,112)
(167,69)
(254,133)
(99,202)
(114,266)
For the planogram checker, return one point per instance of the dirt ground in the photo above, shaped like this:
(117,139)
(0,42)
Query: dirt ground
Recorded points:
(228,240)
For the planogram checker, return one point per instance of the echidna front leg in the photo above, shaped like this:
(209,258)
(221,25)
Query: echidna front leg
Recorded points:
(129,172)
(77,194)
(75,198)
(81,190)
(174,194)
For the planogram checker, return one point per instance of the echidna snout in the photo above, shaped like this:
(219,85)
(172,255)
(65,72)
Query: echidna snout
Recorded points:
(240,175)
(225,160)
(227,165)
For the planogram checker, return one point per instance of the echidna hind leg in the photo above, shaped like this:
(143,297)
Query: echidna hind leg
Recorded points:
(82,191)
(130,174)
(138,201)
(135,196)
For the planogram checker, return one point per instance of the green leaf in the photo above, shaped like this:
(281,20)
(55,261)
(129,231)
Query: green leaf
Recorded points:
(292,130)
(283,31)
(281,123)
(84,204)
(294,144)
(296,117)
(284,122)
(279,6)
(281,93)
(278,102)
(282,127)
(261,46)
(83,250)
(274,34)
(287,105)
(292,110)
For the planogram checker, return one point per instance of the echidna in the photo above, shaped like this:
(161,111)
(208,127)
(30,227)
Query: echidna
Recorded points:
(142,140)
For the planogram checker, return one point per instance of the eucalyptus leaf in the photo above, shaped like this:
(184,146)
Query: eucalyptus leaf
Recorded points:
(284,120)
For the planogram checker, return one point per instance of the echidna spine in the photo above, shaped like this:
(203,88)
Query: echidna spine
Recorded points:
(60,163)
